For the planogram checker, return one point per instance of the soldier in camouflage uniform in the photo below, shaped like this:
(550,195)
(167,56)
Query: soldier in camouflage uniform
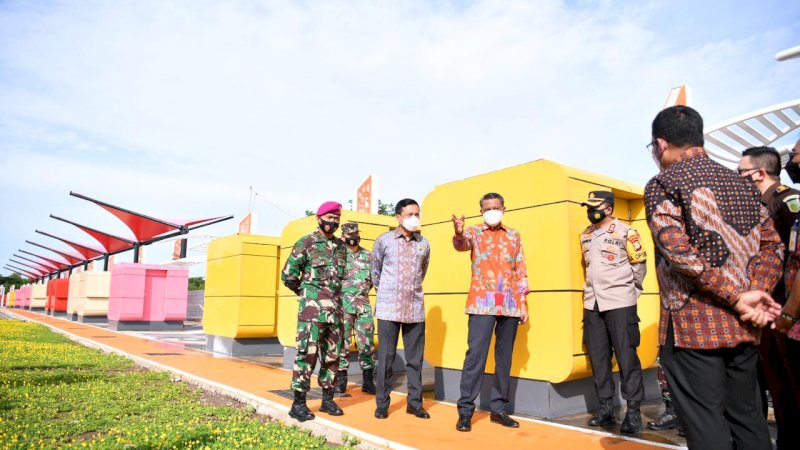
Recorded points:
(314,271)
(357,311)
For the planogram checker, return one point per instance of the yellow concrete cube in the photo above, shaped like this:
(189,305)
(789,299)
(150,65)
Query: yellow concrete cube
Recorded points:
(542,201)
(241,286)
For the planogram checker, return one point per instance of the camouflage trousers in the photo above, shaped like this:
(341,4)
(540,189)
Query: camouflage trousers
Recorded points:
(362,324)
(316,340)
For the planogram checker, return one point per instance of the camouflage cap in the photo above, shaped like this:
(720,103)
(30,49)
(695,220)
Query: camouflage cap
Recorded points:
(350,228)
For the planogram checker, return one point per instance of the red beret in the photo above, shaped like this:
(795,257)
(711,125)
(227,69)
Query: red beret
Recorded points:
(329,207)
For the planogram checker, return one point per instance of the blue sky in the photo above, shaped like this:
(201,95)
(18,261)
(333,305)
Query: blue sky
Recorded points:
(177,108)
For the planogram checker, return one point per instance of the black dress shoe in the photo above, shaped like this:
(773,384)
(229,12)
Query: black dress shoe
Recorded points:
(419,412)
(381,413)
(504,420)
(464,423)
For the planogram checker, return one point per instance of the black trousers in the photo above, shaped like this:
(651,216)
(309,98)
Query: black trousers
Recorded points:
(780,359)
(617,330)
(715,393)
(478,340)
(414,347)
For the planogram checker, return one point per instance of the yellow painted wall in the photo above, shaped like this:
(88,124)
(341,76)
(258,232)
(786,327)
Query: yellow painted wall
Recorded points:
(542,201)
(241,286)
(370,227)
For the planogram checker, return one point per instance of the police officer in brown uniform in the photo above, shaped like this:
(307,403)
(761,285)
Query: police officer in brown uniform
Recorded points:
(614,262)
(762,166)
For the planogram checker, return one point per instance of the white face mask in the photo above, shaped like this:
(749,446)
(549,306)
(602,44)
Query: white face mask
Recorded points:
(493,217)
(411,223)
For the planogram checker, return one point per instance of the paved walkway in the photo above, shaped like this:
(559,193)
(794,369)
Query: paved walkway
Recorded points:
(255,384)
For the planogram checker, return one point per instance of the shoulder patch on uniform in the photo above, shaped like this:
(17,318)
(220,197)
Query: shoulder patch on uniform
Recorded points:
(636,253)
(781,188)
(792,202)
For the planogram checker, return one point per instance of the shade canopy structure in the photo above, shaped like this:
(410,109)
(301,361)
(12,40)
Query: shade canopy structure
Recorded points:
(145,227)
(17,272)
(73,258)
(37,269)
(49,266)
(27,273)
(61,265)
(725,141)
(110,242)
(86,251)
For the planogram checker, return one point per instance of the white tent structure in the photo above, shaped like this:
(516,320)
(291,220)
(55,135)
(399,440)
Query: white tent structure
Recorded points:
(725,141)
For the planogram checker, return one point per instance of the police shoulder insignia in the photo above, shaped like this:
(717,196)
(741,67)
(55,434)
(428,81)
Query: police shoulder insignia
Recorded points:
(792,202)
(636,252)
(781,188)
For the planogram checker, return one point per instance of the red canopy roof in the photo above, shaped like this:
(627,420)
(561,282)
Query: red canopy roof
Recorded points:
(86,251)
(61,265)
(46,265)
(111,243)
(142,226)
(21,271)
(38,269)
(73,258)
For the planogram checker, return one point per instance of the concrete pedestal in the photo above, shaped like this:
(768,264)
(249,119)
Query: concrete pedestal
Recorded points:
(541,398)
(92,319)
(144,325)
(243,346)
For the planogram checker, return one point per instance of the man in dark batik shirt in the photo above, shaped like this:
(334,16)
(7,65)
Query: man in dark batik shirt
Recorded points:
(717,256)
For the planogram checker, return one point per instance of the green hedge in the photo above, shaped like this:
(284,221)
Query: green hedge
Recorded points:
(54,393)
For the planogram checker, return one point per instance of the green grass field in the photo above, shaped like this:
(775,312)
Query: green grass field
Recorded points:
(55,393)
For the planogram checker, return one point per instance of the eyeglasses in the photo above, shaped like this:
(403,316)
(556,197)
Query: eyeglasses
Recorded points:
(741,171)
(651,145)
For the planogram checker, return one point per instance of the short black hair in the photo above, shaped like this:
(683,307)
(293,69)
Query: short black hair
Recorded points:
(398,208)
(492,195)
(766,158)
(679,125)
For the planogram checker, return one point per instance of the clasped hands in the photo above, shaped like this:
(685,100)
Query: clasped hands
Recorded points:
(758,308)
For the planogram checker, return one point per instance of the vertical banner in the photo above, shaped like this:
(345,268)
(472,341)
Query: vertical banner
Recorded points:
(176,249)
(680,95)
(248,224)
(367,195)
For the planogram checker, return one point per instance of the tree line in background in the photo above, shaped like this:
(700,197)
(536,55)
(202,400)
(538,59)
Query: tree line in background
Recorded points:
(14,280)
(384,209)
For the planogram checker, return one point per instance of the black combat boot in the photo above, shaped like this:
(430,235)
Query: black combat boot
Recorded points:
(368,385)
(341,383)
(633,418)
(605,415)
(328,405)
(299,409)
(667,421)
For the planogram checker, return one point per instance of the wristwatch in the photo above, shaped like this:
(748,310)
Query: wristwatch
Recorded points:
(788,317)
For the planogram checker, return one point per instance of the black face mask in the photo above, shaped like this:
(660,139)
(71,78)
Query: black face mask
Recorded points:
(595,215)
(352,241)
(328,227)
(793,169)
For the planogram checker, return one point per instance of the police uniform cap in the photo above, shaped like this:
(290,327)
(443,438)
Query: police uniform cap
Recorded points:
(597,198)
